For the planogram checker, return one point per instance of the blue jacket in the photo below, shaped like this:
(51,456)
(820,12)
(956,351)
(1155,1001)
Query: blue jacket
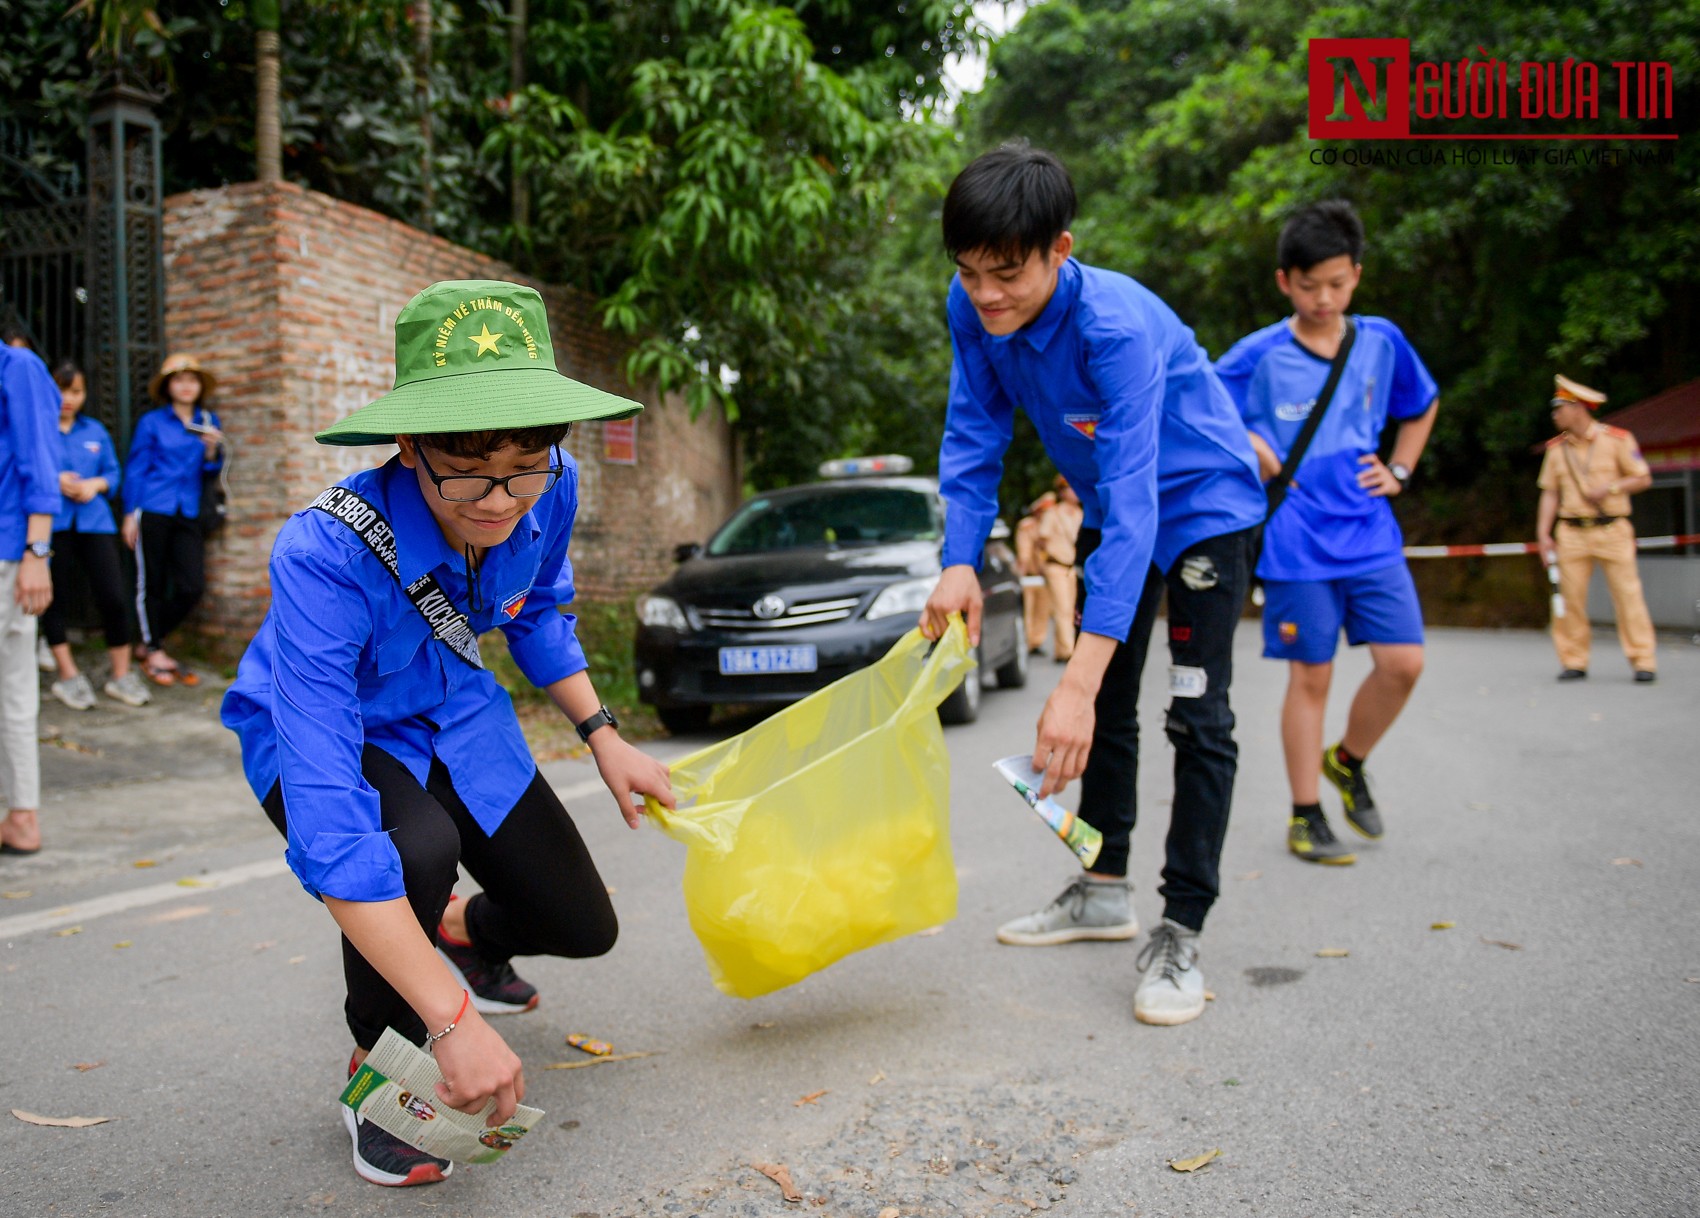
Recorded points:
(1128,408)
(163,472)
(344,659)
(29,458)
(86,451)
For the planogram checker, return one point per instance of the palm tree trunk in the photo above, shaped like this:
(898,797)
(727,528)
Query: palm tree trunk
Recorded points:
(268,134)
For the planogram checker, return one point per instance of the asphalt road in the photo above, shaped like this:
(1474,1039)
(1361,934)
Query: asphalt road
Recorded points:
(1538,1057)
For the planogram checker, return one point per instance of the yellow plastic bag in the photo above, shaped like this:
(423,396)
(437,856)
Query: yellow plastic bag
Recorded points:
(826,828)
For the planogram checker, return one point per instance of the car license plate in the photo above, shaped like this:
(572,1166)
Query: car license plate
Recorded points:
(748,661)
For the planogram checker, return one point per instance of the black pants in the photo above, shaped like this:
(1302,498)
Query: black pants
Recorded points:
(170,573)
(97,555)
(542,895)
(1207,589)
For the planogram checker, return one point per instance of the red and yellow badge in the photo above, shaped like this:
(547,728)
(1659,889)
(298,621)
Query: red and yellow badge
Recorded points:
(1289,632)
(1085,424)
(514,603)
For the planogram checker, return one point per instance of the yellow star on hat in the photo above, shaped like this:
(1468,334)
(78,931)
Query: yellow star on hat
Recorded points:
(1565,389)
(486,342)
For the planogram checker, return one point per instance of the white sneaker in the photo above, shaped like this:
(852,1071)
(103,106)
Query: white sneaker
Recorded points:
(1171,989)
(1086,909)
(75,692)
(44,655)
(128,689)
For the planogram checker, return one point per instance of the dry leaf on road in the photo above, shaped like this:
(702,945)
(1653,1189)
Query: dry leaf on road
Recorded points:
(123,943)
(891,1211)
(598,1061)
(1196,1162)
(144,863)
(32,1118)
(1506,944)
(16,896)
(780,1175)
(929,932)
(878,1078)
(1441,925)
(69,930)
(1333,953)
(85,1067)
(1250,875)
(1627,862)
(810,1098)
(191,882)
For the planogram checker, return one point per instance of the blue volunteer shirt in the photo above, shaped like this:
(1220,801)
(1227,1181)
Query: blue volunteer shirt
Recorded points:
(29,459)
(86,451)
(1128,409)
(1328,527)
(163,472)
(344,659)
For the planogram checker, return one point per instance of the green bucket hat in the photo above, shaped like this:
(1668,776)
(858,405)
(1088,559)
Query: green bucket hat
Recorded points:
(446,339)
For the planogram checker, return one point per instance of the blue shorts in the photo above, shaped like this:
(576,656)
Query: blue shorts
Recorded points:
(1302,618)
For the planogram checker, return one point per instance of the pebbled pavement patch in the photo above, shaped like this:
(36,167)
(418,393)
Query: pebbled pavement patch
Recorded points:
(1001,1150)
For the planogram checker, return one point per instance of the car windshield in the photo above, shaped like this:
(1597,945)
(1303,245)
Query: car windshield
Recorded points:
(870,515)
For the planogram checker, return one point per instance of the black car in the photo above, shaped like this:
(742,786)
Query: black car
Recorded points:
(805,585)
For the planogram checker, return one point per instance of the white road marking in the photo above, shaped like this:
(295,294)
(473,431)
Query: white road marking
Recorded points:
(136,898)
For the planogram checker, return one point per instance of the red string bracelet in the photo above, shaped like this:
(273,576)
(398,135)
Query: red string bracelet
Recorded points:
(431,1040)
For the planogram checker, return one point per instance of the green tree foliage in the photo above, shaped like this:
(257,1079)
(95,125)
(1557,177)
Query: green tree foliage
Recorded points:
(1185,127)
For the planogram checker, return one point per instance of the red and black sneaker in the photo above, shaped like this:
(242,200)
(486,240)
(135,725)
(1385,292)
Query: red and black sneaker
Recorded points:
(382,1158)
(495,988)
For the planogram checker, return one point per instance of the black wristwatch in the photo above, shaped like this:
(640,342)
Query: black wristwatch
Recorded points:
(1401,473)
(41,549)
(602,718)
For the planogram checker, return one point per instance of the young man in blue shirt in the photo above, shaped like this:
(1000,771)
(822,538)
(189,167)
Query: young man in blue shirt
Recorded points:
(29,498)
(1332,553)
(379,744)
(1128,408)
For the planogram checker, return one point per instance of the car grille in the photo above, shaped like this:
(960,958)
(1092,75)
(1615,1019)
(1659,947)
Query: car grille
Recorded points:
(811,613)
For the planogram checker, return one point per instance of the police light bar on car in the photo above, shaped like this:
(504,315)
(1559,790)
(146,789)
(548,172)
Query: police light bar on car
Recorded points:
(861,467)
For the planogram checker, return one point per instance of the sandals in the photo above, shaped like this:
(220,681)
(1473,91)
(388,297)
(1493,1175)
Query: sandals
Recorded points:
(167,671)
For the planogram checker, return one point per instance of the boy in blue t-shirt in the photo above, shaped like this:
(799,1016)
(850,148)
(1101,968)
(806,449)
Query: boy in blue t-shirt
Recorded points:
(1332,552)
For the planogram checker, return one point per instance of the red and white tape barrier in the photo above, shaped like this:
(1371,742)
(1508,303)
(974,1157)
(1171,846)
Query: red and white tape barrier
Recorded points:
(1498,549)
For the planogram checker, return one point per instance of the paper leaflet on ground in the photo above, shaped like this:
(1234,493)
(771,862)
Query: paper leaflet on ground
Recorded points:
(1080,837)
(396,1089)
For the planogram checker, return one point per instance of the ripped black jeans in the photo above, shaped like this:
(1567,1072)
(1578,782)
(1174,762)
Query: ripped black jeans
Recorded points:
(1207,590)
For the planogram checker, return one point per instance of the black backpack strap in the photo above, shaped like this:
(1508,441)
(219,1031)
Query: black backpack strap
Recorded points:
(1277,488)
(449,625)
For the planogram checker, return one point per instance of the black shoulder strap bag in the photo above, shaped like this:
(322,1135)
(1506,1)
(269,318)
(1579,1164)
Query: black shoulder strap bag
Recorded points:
(1277,488)
(449,625)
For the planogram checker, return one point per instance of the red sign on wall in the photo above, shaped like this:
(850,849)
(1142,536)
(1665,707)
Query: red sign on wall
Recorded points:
(619,442)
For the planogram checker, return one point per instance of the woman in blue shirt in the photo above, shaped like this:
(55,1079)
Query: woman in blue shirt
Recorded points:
(376,740)
(175,446)
(86,536)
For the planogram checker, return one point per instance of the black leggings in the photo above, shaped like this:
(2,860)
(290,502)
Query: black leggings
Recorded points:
(170,573)
(542,895)
(97,554)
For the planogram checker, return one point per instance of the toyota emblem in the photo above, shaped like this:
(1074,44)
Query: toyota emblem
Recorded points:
(769,607)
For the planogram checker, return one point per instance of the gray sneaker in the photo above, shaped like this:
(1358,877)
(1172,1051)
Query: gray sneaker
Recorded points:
(129,690)
(1171,989)
(1086,909)
(74,692)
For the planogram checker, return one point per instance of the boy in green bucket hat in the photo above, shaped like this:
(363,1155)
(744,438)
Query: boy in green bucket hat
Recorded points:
(375,739)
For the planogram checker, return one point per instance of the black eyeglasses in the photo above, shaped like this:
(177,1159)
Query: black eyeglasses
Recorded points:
(468,488)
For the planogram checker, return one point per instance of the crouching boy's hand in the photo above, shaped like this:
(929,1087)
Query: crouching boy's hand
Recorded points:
(628,772)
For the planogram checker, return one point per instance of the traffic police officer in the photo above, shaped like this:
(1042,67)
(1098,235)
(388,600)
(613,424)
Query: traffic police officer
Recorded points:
(1589,473)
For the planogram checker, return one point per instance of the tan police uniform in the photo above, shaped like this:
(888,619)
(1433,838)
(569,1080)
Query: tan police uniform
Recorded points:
(1587,533)
(1036,598)
(1058,529)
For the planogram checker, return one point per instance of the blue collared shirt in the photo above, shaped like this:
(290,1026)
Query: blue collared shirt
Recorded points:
(1128,408)
(1328,527)
(162,473)
(344,659)
(29,459)
(86,451)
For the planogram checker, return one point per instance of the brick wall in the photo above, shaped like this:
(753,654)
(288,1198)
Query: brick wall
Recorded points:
(289,297)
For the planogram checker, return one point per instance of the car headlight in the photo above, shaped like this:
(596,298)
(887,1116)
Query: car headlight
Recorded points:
(910,596)
(662,611)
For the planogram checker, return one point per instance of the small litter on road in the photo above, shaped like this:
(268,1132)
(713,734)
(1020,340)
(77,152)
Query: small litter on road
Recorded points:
(1441,925)
(69,930)
(929,932)
(810,1098)
(598,1061)
(191,882)
(1627,862)
(1196,1162)
(178,915)
(1250,875)
(1209,995)
(1333,953)
(763,1026)
(17,896)
(85,1067)
(144,863)
(781,1175)
(589,1044)
(296,959)
(31,1118)
(877,1079)
(1506,944)
(264,946)
(123,943)
(891,1211)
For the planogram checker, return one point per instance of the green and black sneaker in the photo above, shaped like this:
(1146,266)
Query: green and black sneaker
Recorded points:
(1312,840)
(1353,785)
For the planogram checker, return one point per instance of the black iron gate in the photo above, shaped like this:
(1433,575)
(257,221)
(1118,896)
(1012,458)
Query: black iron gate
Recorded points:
(82,263)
